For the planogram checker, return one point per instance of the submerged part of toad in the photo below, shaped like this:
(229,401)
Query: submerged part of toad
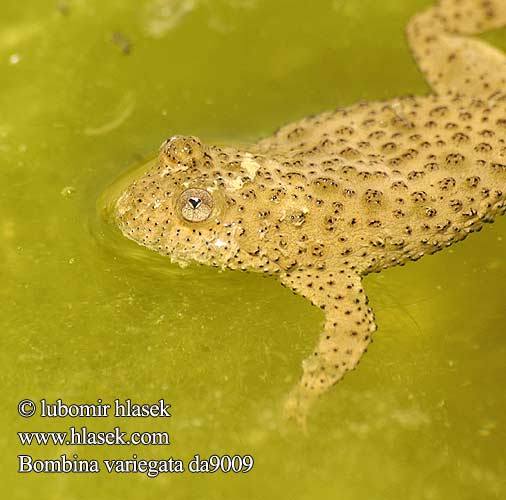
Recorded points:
(334,197)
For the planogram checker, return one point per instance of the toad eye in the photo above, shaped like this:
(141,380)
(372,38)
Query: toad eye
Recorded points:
(196,205)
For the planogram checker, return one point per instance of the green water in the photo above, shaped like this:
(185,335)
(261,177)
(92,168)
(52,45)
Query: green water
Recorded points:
(88,88)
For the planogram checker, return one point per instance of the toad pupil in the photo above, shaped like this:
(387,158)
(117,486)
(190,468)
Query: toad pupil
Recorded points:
(195,202)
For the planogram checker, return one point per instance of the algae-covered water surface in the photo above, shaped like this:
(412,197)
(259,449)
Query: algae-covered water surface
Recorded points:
(90,88)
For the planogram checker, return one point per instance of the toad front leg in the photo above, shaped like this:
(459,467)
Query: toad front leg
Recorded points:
(349,323)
